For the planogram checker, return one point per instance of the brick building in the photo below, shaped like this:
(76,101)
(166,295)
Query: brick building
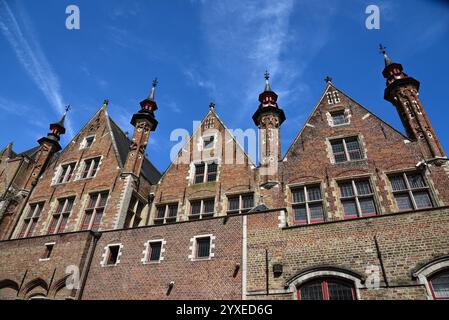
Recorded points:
(355,209)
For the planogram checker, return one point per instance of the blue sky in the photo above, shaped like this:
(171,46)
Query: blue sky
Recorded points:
(210,50)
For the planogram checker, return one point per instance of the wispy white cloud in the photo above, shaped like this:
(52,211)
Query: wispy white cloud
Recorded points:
(32,58)
(247,37)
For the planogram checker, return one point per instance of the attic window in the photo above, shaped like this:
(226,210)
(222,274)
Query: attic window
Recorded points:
(208,142)
(87,142)
(339,118)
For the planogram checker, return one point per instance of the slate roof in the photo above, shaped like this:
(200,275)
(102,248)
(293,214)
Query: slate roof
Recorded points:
(149,171)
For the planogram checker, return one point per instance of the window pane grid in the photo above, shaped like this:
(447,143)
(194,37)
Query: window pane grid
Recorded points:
(410,191)
(307,204)
(357,198)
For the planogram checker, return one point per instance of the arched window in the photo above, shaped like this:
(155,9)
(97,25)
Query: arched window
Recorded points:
(326,289)
(439,285)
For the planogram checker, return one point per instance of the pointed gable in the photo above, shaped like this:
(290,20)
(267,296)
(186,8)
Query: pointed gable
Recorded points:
(334,100)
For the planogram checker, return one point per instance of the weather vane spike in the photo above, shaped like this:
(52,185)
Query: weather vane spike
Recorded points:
(382,49)
(328,79)
(67,108)
(211,105)
(155,82)
(267,75)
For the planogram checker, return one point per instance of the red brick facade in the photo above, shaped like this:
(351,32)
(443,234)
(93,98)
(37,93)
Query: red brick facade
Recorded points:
(353,201)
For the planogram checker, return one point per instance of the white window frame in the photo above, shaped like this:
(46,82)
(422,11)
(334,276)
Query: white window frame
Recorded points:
(106,253)
(147,249)
(83,144)
(46,245)
(345,114)
(193,247)
(68,173)
(89,173)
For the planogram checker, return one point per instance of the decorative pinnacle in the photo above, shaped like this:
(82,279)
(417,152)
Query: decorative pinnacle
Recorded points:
(105,103)
(267,83)
(211,105)
(151,96)
(387,59)
(68,108)
(328,79)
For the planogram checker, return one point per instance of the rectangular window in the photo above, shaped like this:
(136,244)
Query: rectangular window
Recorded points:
(31,219)
(155,251)
(357,198)
(201,208)
(113,252)
(66,172)
(208,142)
(166,213)
(240,203)
(307,204)
(60,217)
(94,211)
(88,142)
(48,251)
(133,216)
(346,149)
(410,191)
(90,167)
(339,118)
(205,172)
(203,248)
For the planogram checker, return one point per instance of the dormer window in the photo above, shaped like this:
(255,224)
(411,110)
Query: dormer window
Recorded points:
(205,172)
(66,172)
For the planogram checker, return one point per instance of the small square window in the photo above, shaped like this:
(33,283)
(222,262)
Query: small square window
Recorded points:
(203,247)
(48,251)
(339,118)
(88,142)
(208,142)
(113,252)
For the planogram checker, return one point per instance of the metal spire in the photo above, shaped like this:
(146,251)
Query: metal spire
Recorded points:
(151,96)
(328,79)
(387,59)
(267,82)
(67,109)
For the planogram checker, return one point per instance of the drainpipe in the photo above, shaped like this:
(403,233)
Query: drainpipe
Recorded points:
(266,273)
(379,256)
(96,237)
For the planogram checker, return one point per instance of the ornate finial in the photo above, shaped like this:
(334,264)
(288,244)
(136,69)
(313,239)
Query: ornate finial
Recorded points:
(151,96)
(211,105)
(387,59)
(105,104)
(328,79)
(68,108)
(267,82)
(267,75)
